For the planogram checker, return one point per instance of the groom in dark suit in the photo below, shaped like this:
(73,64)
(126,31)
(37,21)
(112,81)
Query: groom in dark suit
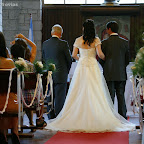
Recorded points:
(116,53)
(57,50)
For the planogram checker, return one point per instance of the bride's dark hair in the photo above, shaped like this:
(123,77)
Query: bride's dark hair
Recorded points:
(89,31)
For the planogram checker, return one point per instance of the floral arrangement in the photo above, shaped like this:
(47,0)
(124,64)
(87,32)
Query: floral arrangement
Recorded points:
(143,36)
(51,67)
(138,68)
(38,67)
(21,64)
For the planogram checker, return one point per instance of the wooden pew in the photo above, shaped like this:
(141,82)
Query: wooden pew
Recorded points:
(9,119)
(30,83)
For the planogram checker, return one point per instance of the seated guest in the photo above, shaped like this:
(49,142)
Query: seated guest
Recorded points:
(12,107)
(19,51)
(22,40)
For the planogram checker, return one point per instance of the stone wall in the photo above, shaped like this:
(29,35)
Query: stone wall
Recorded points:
(16,19)
(0,15)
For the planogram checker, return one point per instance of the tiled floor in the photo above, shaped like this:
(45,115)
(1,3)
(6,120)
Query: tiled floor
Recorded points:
(41,136)
(135,137)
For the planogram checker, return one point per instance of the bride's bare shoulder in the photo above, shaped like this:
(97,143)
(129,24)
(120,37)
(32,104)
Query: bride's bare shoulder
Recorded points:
(79,38)
(78,41)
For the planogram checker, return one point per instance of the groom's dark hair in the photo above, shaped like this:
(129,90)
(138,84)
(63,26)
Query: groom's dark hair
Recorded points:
(113,25)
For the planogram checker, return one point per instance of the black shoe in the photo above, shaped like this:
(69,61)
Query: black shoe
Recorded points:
(15,139)
(41,123)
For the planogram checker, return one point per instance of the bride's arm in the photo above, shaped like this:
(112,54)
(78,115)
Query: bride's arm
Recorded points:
(74,53)
(99,52)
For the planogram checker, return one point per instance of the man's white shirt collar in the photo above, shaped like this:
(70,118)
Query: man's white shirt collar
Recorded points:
(55,36)
(114,34)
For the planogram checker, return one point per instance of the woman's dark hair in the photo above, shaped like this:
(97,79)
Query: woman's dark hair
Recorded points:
(27,50)
(17,51)
(2,46)
(113,25)
(89,31)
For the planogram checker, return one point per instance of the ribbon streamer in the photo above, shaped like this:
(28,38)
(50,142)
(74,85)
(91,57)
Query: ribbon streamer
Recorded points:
(9,86)
(35,92)
(38,89)
(49,80)
(137,92)
(19,99)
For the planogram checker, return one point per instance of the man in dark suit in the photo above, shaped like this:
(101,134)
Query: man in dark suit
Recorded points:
(57,50)
(116,53)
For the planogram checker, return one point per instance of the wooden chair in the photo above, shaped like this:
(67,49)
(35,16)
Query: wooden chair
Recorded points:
(10,119)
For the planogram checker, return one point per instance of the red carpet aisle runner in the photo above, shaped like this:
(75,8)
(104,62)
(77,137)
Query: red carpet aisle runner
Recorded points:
(90,138)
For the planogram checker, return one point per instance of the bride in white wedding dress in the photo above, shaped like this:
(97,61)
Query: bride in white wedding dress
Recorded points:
(88,106)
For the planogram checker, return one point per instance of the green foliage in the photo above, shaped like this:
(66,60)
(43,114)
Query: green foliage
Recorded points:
(50,65)
(21,64)
(138,68)
(20,67)
(38,67)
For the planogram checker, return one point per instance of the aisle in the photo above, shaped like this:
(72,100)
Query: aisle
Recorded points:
(90,138)
(42,136)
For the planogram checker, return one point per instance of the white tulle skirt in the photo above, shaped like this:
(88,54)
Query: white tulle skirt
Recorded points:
(88,106)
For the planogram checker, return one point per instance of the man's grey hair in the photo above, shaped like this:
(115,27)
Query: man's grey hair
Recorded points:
(57,28)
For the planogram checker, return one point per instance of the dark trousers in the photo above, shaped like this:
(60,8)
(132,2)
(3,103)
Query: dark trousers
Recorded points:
(118,87)
(59,93)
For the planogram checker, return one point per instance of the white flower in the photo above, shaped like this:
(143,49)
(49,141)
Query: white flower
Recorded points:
(143,36)
(138,56)
(141,50)
(39,63)
(53,65)
(21,59)
(21,62)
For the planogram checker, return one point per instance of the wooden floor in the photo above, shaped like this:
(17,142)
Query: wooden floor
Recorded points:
(41,136)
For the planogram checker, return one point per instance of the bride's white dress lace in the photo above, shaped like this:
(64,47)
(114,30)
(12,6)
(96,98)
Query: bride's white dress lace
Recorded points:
(88,106)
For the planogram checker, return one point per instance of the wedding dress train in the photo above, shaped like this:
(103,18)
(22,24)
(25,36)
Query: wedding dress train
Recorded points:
(88,106)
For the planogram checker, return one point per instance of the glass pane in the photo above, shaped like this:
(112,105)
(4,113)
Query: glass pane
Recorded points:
(75,1)
(95,1)
(126,1)
(53,1)
(140,1)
